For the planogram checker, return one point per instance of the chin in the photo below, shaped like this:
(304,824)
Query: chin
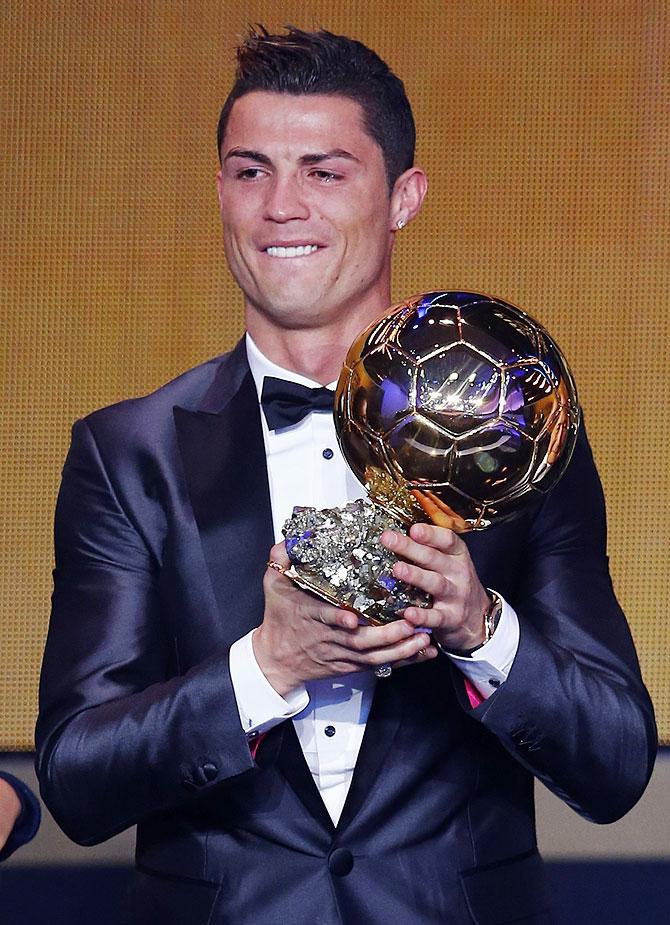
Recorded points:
(288,312)
(290,303)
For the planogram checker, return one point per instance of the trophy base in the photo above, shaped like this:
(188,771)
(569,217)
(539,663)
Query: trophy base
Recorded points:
(337,555)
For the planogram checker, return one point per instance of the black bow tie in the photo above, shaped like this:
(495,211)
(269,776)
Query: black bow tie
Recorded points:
(285,403)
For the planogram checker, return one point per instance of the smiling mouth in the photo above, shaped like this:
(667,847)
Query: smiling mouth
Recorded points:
(302,250)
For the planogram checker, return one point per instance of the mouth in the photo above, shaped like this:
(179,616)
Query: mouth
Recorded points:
(299,250)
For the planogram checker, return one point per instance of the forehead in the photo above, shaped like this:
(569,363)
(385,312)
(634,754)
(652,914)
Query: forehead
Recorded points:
(298,123)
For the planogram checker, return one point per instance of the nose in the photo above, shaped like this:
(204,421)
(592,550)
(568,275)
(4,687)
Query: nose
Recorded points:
(285,200)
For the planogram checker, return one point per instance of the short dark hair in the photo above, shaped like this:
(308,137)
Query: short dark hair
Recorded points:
(320,62)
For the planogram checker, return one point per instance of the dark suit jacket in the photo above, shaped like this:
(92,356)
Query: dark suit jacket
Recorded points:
(162,533)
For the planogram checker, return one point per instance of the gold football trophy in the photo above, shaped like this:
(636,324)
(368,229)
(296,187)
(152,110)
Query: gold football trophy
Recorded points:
(455,408)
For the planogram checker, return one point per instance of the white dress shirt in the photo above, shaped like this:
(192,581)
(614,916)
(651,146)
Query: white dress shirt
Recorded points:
(306,467)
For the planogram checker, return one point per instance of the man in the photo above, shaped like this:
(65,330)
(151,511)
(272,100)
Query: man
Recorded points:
(19,814)
(237,720)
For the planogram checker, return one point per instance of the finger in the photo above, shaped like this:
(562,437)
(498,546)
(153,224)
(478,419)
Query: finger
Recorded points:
(431,617)
(327,614)
(278,554)
(447,541)
(343,618)
(367,638)
(434,583)
(423,655)
(304,603)
(426,555)
(439,512)
(401,651)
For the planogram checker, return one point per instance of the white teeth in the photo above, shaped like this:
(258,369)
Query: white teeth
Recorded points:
(303,250)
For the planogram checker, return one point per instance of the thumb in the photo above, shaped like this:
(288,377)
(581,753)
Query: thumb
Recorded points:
(278,554)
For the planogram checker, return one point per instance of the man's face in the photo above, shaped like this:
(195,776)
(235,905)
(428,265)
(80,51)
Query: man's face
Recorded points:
(305,209)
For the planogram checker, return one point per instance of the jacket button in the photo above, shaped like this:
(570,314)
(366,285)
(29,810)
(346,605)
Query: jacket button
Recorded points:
(519,737)
(340,862)
(210,771)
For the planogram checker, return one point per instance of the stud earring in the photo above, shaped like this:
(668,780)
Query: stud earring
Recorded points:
(400,224)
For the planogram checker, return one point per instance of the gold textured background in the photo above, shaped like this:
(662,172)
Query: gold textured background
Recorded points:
(544,127)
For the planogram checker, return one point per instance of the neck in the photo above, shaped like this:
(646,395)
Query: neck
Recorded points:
(317,353)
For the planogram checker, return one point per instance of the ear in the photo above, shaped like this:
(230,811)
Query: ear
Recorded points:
(407,196)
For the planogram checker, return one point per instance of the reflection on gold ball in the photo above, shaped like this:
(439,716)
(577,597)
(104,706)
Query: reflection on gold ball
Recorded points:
(456,408)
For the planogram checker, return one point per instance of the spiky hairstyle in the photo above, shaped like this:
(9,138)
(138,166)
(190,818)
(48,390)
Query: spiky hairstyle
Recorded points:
(300,62)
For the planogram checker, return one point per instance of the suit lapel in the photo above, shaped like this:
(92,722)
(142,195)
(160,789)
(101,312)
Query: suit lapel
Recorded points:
(291,762)
(381,729)
(222,451)
(223,455)
(221,447)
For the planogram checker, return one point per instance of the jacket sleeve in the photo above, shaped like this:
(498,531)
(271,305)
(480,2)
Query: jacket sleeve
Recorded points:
(574,710)
(120,734)
(28,822)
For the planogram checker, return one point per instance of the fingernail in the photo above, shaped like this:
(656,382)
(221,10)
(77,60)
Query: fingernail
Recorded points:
(388,538)
(423,629)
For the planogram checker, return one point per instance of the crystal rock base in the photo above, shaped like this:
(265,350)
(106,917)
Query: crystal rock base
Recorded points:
(336,554)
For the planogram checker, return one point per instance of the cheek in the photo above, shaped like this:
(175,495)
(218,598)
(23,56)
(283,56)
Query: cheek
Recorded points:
(237,259)
(369,242)
(236,213)
(235,228)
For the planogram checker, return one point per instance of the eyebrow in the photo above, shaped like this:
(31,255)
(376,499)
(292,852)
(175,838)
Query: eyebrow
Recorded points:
(249,155)
(327,155)
(305,159)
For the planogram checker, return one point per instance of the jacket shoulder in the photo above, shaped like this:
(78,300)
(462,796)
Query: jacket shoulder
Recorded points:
(146,417)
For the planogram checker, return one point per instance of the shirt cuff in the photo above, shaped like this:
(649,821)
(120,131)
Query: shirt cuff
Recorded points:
(488,667)
(259,705)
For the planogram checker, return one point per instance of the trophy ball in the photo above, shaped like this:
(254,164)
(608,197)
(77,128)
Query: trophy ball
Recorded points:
(456,408)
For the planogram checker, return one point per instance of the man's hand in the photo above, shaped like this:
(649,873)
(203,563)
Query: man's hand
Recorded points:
(437,560)
(302,638)
(10,809)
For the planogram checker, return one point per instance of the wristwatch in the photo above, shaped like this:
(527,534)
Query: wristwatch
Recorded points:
(490,619)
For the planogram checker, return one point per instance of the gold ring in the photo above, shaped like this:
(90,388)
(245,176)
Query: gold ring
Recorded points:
(422,652)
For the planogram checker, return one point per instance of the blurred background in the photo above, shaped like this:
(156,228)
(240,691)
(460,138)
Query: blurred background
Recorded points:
(544,128)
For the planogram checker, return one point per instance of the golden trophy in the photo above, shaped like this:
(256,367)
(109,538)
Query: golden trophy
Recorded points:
(455,408)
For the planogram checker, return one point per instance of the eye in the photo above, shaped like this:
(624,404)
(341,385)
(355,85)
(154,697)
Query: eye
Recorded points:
(325,176)
(249,173)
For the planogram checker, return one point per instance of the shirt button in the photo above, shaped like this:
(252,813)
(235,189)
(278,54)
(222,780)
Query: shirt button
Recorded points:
(330,731)
(328,453)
